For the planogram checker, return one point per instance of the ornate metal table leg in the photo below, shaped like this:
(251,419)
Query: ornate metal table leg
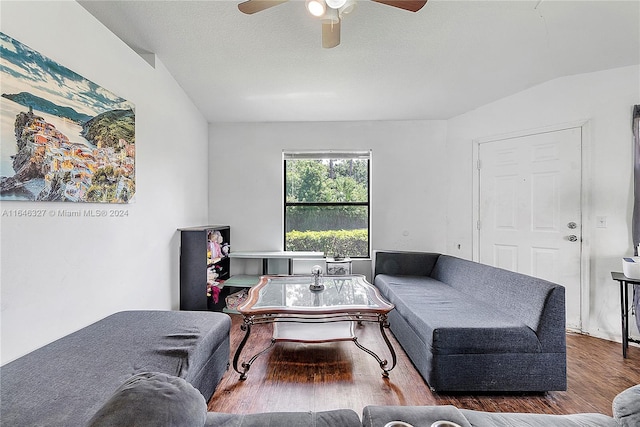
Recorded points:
(246,326)
(384,324)
(382,362)
(247,365)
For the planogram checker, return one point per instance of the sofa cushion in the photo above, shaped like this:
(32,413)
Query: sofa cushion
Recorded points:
(626,407)
(505,419)
(451,322)
(417,416)
(153,399)
(335,418)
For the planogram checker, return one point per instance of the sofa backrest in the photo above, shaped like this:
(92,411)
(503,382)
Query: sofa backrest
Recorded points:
(396,263)
(524,297)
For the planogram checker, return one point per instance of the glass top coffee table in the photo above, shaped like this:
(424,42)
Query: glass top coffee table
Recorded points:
(314,309)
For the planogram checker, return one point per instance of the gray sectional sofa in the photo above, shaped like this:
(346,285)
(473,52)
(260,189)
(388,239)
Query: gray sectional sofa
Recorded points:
(135,368)
(626,413)
(159,400)
(155,400)
(472,327)
(64,383)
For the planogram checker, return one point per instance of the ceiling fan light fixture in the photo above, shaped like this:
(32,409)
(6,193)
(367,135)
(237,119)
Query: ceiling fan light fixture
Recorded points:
(316,7)
(335,4)
(347,7)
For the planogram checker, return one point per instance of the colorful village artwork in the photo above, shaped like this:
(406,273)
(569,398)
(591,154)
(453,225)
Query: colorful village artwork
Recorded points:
(63,137)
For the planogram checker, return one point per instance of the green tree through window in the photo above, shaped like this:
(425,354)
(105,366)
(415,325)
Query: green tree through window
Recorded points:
(327,202)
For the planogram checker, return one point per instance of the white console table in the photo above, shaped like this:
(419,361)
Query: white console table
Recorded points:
(267,255)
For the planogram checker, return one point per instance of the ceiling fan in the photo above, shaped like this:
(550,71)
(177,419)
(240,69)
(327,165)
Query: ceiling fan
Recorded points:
(330,11)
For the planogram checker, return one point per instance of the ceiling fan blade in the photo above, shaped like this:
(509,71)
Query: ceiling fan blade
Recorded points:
(330,34)
(253,6)
(410,5)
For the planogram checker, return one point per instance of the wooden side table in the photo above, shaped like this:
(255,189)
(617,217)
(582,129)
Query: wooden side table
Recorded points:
(624,282)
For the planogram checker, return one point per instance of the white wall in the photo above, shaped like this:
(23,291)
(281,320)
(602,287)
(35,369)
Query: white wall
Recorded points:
(605,99)
(408,185)
(60,274)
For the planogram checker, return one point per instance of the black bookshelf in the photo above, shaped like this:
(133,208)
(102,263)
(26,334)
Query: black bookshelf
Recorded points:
(203,250)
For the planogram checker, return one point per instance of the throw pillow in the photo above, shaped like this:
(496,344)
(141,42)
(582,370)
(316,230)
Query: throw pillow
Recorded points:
(152,399)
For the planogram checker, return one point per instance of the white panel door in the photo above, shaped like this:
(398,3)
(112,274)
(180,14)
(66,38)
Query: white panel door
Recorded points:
(530,209)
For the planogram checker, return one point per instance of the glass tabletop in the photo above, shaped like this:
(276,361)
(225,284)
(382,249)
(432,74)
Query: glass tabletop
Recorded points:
(293,294)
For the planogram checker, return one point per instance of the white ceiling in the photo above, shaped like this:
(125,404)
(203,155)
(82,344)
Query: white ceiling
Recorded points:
(449,58)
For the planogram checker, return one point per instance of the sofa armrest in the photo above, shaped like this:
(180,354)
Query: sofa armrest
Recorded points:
(552,328)
(396,263)
(626,407)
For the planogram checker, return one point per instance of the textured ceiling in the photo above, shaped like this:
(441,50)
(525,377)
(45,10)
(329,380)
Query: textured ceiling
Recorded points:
(447,59)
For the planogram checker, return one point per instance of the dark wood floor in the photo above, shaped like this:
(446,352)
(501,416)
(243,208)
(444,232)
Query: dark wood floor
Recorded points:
(316,377)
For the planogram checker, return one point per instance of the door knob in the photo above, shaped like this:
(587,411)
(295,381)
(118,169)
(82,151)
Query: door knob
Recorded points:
(572,238)
(572,225)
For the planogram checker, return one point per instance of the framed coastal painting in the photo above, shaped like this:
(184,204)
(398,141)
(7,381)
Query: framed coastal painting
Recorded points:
(64,138)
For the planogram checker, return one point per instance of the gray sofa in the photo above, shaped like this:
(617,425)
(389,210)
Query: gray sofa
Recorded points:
(161,400)
(472,327)
(135,368)
(64,383)
(153,399)
(626,413)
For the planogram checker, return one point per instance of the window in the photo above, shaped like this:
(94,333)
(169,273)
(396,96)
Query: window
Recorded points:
(326,203)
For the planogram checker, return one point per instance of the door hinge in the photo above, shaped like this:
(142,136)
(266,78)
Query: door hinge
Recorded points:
(478,225)
(478,164)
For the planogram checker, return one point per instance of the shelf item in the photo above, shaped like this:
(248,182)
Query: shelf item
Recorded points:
(239,281)
(236,298)
(204,260)
(339,266)
(242,281)
(314,332)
